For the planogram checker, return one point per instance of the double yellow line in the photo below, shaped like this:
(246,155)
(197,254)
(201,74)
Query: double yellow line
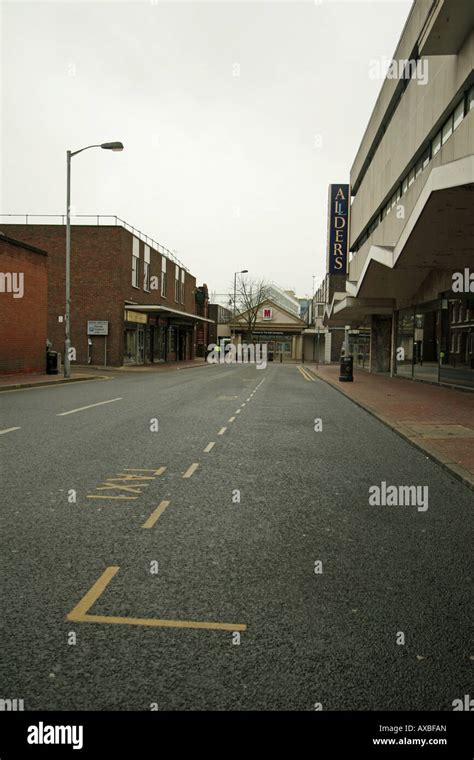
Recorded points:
(306,374)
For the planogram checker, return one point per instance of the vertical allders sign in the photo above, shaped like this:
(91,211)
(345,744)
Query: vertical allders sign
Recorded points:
(338,228)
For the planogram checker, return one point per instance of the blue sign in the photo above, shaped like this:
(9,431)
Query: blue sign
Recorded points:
(338,228)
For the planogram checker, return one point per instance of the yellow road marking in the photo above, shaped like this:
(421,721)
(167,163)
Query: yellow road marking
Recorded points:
(222,431)
(93,594)
(159,471)
(80,613)
(89,496)
(209,447)
(129,489)
(191,469)
(306,374)
(155,514)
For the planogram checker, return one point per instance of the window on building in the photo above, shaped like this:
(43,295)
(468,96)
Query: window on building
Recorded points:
(447,130)
(405,185)
(436,144)
(136,263)
(411,178)
(399,192)
(458,114)
(146,268)
(426,157)
(182,285)
(419,168)
(164,281)
(470,99)
(176,282)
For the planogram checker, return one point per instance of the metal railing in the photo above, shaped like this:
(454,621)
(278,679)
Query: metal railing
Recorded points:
(118,222)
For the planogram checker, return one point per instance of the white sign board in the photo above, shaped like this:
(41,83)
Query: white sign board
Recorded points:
(97,327)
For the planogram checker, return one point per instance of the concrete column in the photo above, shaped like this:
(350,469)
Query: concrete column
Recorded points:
(380,343)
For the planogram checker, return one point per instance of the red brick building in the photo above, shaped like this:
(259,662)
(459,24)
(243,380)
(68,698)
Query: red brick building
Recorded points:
(23,306)
(123,278)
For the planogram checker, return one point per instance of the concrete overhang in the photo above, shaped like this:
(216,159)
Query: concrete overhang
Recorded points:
(351,308)
(439,234)
(447,27)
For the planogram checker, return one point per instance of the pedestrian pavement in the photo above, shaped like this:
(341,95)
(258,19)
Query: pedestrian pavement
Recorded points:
(438,420)
(32,380)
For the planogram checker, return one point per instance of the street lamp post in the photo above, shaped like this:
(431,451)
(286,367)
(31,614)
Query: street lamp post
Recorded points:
(242,271)
(116,146)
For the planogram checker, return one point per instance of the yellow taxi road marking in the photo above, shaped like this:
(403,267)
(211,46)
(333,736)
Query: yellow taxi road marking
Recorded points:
(159,471)
(91,496)
(191,469)
(231,419)
(222,431)
(129,489)
(81,408)
(156,514)
(80,613)
(9,430)
(209,447)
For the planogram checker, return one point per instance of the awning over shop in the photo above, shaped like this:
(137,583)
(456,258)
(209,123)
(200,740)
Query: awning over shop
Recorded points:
(164,311)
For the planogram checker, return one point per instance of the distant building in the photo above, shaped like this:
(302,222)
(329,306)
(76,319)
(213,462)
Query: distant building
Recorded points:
(23,306)
(220,317)
(125,283)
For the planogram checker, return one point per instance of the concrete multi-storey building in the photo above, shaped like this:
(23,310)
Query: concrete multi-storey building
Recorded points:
(412,210)
(133,289)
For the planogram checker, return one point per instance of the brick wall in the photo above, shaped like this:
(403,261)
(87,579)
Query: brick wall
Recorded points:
(23,321)
(101,282)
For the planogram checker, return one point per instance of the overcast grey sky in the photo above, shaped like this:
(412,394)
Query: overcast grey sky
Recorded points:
(235,118)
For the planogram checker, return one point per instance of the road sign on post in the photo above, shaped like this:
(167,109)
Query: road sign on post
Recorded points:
(97,327)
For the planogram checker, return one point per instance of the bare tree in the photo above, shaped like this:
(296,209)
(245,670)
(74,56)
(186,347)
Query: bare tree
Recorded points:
(250,295)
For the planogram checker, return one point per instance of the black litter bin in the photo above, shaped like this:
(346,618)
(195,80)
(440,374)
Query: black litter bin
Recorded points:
(52,363)
(346,372)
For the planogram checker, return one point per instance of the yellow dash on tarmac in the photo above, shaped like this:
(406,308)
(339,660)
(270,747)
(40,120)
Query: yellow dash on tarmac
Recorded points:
(80,613)
(155,514)
(81,408)
(222,431)
(209,447)
(191,469)
(231,419)
(9,430)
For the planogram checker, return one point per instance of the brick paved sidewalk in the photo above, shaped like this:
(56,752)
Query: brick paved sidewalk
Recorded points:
(438,420)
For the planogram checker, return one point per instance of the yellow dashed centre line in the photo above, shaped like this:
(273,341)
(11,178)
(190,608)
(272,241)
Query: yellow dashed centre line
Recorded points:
(191,469)
(155,514)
